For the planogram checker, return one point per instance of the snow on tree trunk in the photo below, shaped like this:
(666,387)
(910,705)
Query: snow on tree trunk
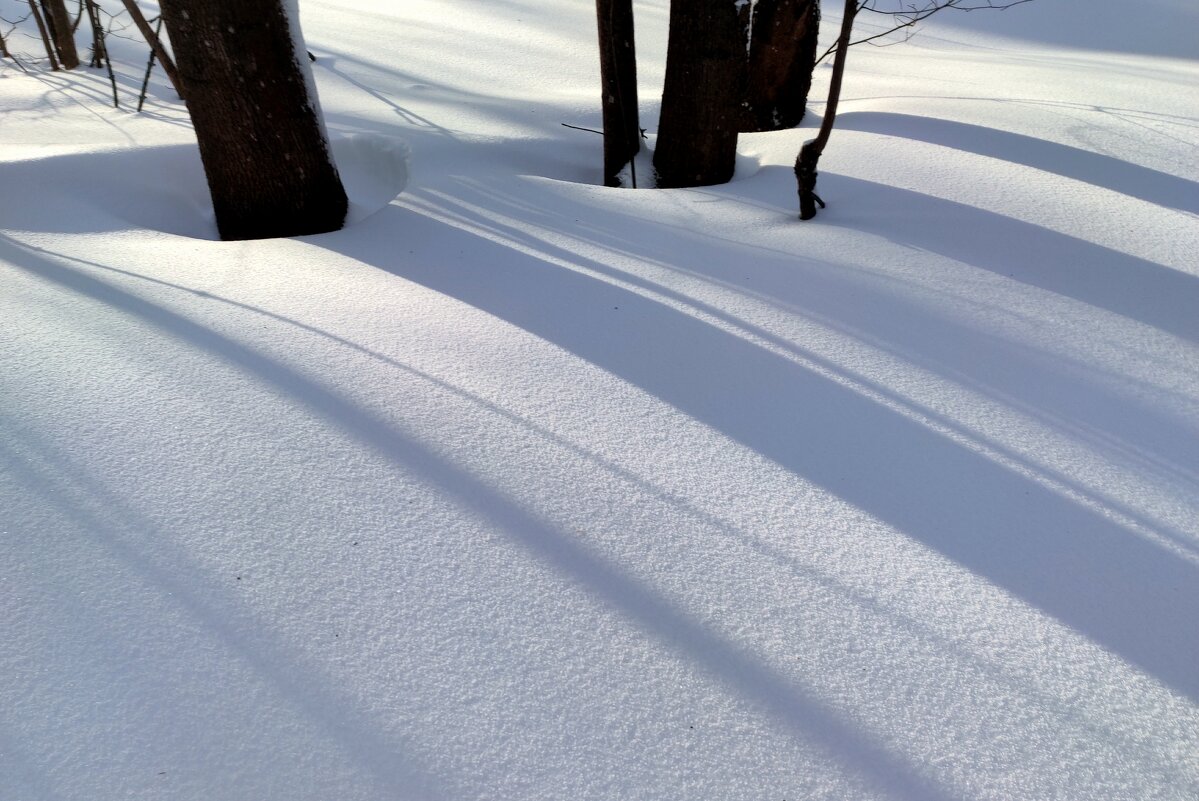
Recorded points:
(701,97)
(618,77)
(253,104)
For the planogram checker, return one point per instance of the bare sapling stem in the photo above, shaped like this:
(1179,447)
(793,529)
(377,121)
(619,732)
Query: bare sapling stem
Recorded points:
(809,154)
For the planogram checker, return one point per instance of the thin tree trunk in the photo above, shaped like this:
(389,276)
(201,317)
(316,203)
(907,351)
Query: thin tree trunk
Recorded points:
(264,149)
(168,63)
(141,98)
(100,55)
(782,55)
(618,77)
(41,27)
(809,154)
(64,38)
(705,80)
(97,35)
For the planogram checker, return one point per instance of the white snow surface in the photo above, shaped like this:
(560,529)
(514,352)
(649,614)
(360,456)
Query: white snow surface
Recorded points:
(524,488)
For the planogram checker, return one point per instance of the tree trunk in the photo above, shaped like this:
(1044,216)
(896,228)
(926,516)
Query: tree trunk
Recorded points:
(63,33)
(618,77)
(262,141)
(809,155)
(100,57)
(705,81)
(782,55)
(41,28)
(98,48)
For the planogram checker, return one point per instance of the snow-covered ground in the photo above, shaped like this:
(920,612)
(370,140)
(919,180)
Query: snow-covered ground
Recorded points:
(524,488)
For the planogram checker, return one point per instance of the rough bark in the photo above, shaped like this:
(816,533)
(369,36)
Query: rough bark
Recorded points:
(618,78)
(265,155)
(782,55)
(701,97)
(62,31)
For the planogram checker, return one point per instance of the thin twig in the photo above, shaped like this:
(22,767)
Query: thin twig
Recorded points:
(577,128)
(912,15)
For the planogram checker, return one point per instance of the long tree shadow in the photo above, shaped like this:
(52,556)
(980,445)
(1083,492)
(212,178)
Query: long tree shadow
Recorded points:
(910,628)
(1097,169)
(1102,580)
(1136,288)
(113,526)
(1067,394)
(742,672)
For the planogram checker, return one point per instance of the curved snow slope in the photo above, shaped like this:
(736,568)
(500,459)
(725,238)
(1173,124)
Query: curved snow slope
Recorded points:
(521,488)
(163,188)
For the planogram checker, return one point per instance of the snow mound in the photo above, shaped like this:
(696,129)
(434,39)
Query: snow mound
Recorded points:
(164,189)
(155,188)
(374,170)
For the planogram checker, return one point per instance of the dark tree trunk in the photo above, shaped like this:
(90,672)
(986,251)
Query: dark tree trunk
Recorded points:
(618,77)
(782,55)
(262,142)
(701,98)
(62,31)
(99,50)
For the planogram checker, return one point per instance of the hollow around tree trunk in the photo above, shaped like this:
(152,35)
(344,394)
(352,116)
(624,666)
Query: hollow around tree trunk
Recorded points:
(265,154)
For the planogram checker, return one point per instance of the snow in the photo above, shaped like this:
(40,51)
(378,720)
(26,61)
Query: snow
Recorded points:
(291,13)
(524,488)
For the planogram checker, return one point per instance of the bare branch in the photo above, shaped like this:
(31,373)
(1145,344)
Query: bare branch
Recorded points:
(912,15)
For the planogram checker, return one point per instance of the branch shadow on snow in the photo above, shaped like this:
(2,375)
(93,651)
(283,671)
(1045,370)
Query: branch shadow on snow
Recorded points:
(1064,393)
(1097,577)
(1096,169)
(533,142)
(739,670)
(1136,288)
